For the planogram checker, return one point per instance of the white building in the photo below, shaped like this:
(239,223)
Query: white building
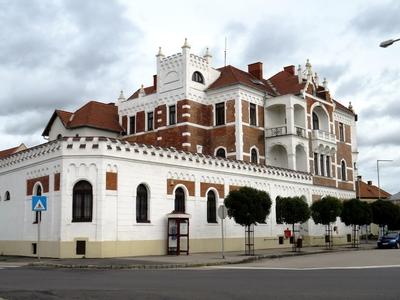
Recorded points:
(109,194)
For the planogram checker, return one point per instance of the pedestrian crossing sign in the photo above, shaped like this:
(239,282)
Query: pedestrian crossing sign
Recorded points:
(39,203)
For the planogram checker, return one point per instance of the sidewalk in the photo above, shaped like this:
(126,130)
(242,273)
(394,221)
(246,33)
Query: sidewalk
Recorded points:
(169,261)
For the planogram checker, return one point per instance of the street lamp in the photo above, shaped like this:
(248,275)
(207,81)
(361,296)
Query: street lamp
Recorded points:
(377,170)
(387,43)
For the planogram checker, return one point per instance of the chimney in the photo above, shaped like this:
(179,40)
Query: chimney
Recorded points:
(155,82)
(256,69)
(289,69)
(369,182)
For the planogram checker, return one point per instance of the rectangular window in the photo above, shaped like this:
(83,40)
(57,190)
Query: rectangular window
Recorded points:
(328,166)
(341,132)
(150,121)
(316,163)
(220,114)
(172,115)
(322,165)
(132,125)
(253,114)
(80,248)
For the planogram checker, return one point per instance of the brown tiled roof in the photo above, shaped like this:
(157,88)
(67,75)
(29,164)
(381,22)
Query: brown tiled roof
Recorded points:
(231,75)
(93,114)
(147,90)
(285,82)
(6,152)
(369,191)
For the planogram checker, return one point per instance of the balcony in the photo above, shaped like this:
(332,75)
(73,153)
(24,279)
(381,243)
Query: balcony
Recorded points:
(283,130)
(323,138)
(300,131)
(276,131)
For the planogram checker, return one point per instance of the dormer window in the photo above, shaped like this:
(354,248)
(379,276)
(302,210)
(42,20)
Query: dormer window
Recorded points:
(198,77)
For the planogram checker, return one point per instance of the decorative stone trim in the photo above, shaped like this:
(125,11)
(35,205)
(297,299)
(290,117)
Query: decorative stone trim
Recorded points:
(186,134)
(186,115)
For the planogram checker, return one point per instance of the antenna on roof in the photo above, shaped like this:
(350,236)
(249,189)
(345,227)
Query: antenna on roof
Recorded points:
(226,42)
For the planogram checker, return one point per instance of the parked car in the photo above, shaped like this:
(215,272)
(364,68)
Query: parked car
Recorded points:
(389,240)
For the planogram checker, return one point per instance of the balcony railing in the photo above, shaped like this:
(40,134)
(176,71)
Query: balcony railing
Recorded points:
(300,131)
(276,131)
(324,135)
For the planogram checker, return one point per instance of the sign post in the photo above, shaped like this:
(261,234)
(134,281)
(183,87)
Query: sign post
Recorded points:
(222,213)
(39,204)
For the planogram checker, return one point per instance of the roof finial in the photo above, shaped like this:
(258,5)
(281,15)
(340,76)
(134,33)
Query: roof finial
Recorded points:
(300,74)
(159,54)
(121,97)
(308,69)
(325,84)
(316,79)
(208,55)
(141,91)
(350,106)
(185,44)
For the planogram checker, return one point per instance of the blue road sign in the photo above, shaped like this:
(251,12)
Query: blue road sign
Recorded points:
(39,203)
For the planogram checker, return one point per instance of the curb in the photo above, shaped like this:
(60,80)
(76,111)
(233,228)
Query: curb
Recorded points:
(187,265)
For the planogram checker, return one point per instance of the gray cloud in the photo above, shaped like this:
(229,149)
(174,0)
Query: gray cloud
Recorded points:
(331,72)
(381,19)
(351,86)
(57,54)
(272,46)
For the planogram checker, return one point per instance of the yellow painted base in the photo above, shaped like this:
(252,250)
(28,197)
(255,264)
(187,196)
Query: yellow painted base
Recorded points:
(144,248)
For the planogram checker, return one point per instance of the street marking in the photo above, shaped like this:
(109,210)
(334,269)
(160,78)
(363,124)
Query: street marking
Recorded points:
(305,269)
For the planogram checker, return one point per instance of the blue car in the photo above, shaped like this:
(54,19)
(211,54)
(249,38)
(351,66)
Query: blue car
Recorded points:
(390,240)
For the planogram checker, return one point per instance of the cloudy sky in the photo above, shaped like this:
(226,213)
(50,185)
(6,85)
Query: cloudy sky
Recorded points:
(62,53)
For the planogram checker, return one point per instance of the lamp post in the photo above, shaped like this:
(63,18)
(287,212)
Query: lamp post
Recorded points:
(377,170)
(388,43)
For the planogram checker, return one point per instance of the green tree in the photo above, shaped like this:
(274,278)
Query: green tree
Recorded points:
(248,206)
(294,210)
(325,211)
(385,213)
(356,213)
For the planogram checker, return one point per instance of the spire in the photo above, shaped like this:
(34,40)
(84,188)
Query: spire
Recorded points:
(121,97)
(185,44)
(141,91)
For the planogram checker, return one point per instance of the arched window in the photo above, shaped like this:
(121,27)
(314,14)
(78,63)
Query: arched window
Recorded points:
(198,77)
(82,202)
(179,200)
(7,196)
(59,136)
(221,153)
(254,156)
(141,204)
(211,207)
(344,171)
(37,192)
(315,121)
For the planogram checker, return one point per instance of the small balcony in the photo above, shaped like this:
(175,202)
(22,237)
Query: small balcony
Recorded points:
(323,139)
(300,131)
(323,135)
(276,131)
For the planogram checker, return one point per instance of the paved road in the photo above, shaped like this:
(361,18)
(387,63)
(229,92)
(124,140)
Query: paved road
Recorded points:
(252,281)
